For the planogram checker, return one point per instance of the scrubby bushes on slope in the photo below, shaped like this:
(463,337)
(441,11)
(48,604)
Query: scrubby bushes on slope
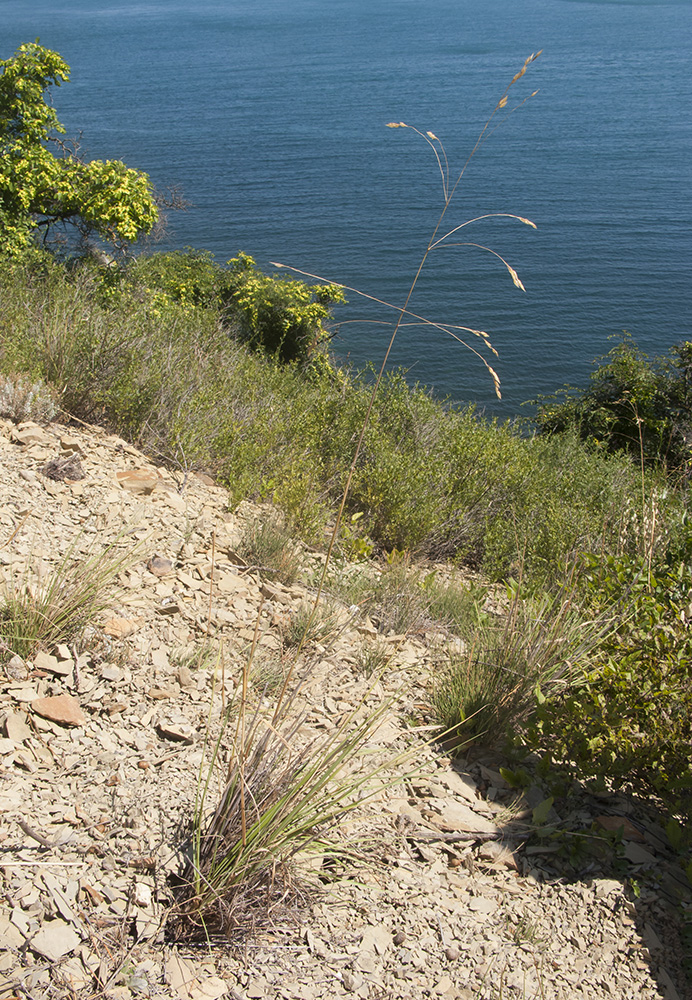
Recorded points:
(632,404)
(435,479)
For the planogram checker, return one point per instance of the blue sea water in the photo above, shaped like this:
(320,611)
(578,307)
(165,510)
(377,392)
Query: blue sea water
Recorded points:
(270,117)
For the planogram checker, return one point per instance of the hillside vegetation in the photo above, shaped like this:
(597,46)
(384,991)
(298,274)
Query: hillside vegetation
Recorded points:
(157,356)
(170,352)
(582,515)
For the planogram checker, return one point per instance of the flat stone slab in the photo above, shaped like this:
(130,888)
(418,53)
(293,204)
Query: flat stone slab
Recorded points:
(55,939)
(453,816)
(61,708)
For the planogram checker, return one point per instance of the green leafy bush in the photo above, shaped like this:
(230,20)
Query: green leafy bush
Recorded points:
(282,317)
(627,719)
(632,404)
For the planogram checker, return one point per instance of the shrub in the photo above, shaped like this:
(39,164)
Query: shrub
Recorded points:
(627,718)
(632,404)
(432,479)
(22,398)
(283,318)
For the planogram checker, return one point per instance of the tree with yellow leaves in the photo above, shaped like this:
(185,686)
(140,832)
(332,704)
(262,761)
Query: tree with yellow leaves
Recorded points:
(44,184)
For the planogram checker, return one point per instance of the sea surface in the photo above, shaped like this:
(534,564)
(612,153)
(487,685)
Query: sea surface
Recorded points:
(269,116)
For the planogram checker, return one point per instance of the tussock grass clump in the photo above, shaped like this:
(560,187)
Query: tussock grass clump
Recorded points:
(267,545)
(398,603)
(309,624)
(489,691)
(372,657)
(283,792)
(38,612)
(269,673)
(403,598)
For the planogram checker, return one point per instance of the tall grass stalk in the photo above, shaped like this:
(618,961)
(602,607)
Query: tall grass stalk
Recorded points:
(435,241)
(282,792)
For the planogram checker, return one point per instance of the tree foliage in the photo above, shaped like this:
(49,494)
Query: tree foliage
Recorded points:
(281,317)
(43,182)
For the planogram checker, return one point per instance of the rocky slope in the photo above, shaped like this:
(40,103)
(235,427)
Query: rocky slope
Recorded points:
(101,743)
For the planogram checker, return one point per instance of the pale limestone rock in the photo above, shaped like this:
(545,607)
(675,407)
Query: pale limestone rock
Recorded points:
(45,661)
(480,904)
(139,481)
(16,728)
(71,445)
(638,855)
(10,935)
(376,939)
(455,816)
(55,939)
(28,433)
(230,583)
(119,628)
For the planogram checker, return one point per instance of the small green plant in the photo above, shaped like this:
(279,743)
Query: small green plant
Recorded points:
(354,544)
(525,931)
(518,777)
